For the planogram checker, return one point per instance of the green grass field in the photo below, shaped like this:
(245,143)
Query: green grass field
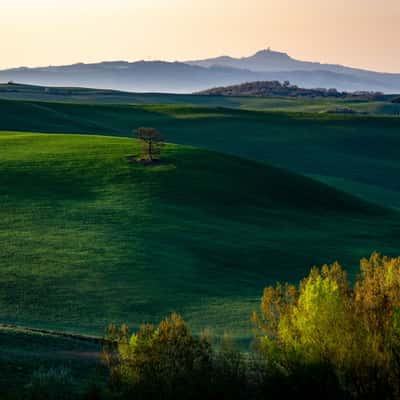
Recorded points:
(22,353)
(350,152)
(102,96)
(88,238)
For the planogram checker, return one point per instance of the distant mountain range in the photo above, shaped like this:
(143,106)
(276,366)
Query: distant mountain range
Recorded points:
(192,76)
(273,61)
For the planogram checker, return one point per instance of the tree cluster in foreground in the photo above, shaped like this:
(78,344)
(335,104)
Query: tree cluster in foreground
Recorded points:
(326,338)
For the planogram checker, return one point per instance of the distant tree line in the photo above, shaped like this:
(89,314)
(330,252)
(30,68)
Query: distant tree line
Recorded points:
(285,89)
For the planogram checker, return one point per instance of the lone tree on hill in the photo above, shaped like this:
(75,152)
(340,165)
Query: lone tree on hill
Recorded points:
(152,142)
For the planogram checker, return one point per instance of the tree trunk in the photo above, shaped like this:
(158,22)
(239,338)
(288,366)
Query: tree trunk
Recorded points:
(150,150)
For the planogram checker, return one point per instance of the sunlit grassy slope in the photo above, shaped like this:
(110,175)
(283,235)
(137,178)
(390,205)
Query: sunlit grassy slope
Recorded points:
(88,238)
(355,153)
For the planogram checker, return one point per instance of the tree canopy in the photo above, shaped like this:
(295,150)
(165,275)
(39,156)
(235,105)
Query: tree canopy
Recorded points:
(152,143)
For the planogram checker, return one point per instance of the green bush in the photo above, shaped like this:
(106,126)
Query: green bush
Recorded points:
(323,338)
(159,362)
(349,335)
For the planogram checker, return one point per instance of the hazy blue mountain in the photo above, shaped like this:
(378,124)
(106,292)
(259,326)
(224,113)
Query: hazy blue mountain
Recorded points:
(180,77)
(278,62)
(262,61)
(272,61)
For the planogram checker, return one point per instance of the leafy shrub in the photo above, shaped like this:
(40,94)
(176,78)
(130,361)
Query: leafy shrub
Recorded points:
(323,338)
(324,324)
(158,362)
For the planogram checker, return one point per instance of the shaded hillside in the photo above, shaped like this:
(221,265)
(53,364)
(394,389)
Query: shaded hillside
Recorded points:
(88,238)
(24,352)
(352,151)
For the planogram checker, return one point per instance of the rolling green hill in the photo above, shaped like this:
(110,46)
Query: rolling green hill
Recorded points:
(350,152)
(88,238)
(103,96)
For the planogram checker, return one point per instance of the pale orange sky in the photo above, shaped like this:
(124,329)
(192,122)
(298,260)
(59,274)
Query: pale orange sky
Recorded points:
(360,33)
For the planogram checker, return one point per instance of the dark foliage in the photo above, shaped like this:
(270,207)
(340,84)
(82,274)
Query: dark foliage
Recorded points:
(277,89)
(323,338)
(152,143)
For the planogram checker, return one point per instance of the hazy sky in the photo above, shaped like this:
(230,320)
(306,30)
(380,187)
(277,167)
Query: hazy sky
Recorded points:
(362,33)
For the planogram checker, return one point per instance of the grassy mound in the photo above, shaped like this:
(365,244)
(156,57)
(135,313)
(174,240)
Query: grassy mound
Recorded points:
(88,238)
(355,152)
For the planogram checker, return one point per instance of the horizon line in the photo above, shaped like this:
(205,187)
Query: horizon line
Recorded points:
(186,61)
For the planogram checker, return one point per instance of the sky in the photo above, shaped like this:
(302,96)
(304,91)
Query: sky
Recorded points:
(359,33)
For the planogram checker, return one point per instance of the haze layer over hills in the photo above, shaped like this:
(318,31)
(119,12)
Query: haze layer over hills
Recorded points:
(190,76)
